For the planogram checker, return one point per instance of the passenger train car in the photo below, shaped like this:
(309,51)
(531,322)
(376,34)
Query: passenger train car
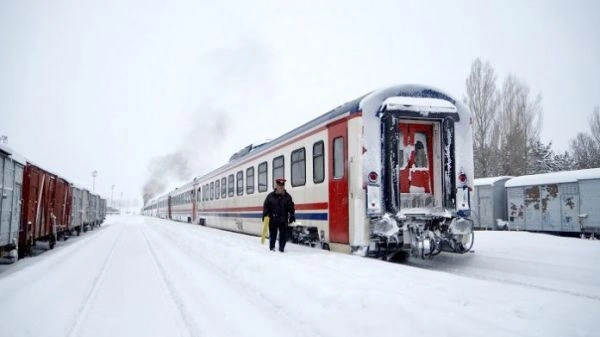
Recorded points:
(385,175)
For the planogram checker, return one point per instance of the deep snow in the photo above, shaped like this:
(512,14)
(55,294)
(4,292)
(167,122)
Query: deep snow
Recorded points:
(139,276)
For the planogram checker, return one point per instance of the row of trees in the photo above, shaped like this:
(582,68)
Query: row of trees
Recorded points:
(506,129)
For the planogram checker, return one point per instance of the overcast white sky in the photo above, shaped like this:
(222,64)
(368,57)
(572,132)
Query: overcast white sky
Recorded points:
(109,85)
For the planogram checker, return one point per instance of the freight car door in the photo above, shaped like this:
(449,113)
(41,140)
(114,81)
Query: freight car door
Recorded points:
(415,159)
(338,182)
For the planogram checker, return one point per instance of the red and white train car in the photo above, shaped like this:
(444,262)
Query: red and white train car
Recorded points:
(384,175)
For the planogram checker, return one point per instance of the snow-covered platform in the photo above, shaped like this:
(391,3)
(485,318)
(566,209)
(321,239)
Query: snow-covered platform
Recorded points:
(139,276)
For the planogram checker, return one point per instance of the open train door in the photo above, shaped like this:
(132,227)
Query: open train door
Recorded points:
(415,161)
(338,182)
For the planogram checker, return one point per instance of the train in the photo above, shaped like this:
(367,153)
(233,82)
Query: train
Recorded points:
(387,175)
(563,203)
(37,205)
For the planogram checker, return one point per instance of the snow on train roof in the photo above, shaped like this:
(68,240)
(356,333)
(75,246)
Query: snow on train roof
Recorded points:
(429,96)
(554,178)
(15,156)
(489,181)
(419,104)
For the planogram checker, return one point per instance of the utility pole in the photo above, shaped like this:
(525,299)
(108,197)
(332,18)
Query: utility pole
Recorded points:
(112,189)
(94,175)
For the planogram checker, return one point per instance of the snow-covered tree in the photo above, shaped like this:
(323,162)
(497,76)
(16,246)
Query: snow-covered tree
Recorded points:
(541,158)
(563,162)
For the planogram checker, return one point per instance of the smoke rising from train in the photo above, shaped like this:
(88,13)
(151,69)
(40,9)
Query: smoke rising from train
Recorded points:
(204,141)
(235,73)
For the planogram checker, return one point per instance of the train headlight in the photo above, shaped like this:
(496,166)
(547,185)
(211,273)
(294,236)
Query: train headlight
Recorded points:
(373,176)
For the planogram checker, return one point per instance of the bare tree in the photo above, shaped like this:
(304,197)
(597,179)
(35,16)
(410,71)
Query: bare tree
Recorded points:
(586,148)
(481,99)
(595,124)
(519,123)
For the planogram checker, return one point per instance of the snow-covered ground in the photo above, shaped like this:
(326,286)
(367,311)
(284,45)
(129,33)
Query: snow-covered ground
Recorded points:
(138,276)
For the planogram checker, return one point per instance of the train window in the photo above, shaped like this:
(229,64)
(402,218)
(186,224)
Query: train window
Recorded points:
(223,187)
(231,187)
(338,157)
(212,190)
(240,182)
(262,176)
(199,194)
(420,152)
(318,162)
(217,185)
(250,180)
(278,168)
(298,167)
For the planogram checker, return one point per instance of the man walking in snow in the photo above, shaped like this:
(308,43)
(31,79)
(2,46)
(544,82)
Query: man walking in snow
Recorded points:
(279,207)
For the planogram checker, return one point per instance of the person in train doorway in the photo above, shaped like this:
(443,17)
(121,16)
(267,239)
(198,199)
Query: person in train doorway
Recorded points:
(279,207)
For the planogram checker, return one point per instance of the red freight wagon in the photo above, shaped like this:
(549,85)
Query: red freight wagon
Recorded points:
(45,208)
(61,207)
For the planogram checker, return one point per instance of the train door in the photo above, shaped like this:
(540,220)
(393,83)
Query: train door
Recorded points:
(169,206)
(415,162)
(516,208)
(338,182)
(550,200)
(570,207)
(485,211)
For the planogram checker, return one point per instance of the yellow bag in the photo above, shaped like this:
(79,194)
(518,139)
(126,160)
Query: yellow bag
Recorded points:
(265,230)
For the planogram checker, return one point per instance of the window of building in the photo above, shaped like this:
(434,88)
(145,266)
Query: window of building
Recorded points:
(250,180)
(298,160)
(262,177)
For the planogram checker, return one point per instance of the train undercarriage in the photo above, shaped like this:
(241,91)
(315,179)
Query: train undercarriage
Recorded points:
(397,237)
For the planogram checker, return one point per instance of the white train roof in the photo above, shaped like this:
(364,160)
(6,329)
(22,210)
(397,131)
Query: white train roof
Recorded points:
(409,97)
(489,181)
(554,178)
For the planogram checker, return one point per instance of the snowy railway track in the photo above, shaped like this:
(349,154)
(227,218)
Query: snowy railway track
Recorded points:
(186,317)
(254,299)
(150,277)
(80,320)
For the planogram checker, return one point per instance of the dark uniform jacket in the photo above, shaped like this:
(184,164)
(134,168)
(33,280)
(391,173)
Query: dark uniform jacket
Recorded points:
(278,207)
